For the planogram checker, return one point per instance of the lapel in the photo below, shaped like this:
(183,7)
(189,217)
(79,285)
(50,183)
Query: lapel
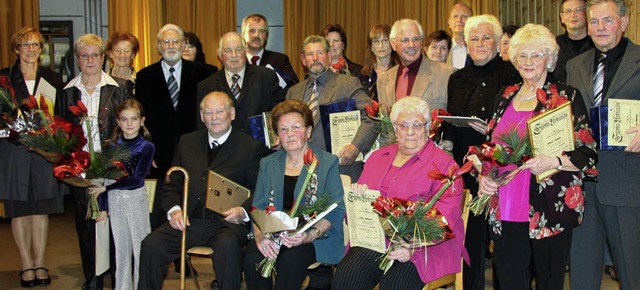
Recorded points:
(226,151)
(390,87)
(586,77)
(329,89)
(383,163)
(246,83)
(266,58)
(201,152)
(158,74)
(276,169)
(628,67)
(423,79)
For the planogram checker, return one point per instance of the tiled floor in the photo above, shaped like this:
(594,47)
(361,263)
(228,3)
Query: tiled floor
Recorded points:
(63,260)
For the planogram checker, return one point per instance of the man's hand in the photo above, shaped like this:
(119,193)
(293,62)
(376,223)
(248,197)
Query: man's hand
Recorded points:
(176,220)
(96,190)
(348,154)
(634,145)
(234,215)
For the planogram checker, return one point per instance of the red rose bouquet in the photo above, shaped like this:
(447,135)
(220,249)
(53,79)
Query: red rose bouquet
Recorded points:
(380,113)
(341,66)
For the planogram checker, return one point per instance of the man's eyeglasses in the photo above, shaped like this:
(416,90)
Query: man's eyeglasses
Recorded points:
(406,40)
(170,41)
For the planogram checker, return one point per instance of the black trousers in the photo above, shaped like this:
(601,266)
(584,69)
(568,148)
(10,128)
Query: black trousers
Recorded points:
(476,242)
(162,246)
(291,267)
(359,270)
(86,229)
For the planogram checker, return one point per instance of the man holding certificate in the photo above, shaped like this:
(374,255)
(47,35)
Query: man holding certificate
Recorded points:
(608,74)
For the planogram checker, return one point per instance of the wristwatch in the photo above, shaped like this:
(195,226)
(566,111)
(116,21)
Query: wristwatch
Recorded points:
(559,167)
(319,234)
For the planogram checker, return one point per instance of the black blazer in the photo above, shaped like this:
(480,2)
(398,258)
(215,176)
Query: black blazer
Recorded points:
(20,88)
(238,160)
(280,62)
(259,93)
(110,99)
(165,123)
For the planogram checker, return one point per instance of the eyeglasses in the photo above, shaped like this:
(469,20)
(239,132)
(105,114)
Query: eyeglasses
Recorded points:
(28,45)
(294,128)
(87,56)
(577,10)
(417,127)
(380,41)
(535,57)
(170,41)
(406,40)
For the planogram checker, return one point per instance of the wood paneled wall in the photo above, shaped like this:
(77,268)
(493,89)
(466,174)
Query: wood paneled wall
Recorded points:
(547,12)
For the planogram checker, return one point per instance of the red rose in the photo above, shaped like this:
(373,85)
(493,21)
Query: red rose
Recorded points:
(372,109)
(573,197)
(584,136)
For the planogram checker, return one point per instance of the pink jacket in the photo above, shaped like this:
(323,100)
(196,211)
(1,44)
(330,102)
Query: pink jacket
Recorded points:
(413,183)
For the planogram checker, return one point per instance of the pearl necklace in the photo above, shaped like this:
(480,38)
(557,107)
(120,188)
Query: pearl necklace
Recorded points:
(527,98)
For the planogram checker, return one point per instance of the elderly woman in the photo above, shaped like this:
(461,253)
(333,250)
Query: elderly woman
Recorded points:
(507,32)
(536,219)
(472,91)
(402,170)
(436,46)
(29,190)
(280,179)
(381,58)
(101,94)
(122,48)
(337,39)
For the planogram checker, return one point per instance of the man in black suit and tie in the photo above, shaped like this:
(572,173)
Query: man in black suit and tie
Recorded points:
(255,31)
(609,71)
(254,89)
(171,109)
(229,153)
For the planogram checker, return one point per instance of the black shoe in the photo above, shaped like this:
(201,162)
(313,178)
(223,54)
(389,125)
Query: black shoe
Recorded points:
(214,284)
(27,283)
(611,270)
(45,281)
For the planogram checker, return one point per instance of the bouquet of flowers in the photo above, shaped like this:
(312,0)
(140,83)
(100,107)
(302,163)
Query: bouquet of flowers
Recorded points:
(380,113)
(500,163)
(277,223)
(341,66)
(415,224)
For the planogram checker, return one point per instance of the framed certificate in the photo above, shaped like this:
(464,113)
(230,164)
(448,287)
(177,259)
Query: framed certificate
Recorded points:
(150,186)
(325,117)
(343,128)
(551,133)
(622,115)
(260,128)
(223,194)
(363,223)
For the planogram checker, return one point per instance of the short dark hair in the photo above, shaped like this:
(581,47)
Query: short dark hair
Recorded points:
(291,106)
(334,27)
(437,36)
(510,30)
(193,39)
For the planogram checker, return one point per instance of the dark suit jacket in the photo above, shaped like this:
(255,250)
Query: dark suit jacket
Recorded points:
(165,123)
(618,180)
(339,87)
(259,93)
(110,99)
(280,62)
(238,159)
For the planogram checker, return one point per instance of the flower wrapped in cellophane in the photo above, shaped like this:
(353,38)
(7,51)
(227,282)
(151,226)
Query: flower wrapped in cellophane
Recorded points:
(415,224)
(379,112)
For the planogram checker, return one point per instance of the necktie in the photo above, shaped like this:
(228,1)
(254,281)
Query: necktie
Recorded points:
(174,91)
(254,60)
(214,145)
(213,151)
(235,87)
(598,81)
(403,84)
(313,102)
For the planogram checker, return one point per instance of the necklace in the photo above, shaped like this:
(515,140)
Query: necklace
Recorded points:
(294,165)
(527,98)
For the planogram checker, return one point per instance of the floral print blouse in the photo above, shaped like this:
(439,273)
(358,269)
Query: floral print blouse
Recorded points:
(557,203)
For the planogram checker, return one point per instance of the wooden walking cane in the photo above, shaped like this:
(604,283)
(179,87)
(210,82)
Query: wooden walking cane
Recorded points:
(183,246)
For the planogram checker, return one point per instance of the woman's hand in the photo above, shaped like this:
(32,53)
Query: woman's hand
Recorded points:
(291,241)
(480,127)
(102,217)
(487,185)
(401,254)
(540,164)
(634,145)
(359,189)
(266,246)
(97,190)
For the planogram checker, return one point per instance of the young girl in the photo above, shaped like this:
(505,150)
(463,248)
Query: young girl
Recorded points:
(127,198)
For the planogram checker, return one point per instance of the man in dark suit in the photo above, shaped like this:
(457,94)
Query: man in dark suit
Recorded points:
(612,204)
(255,31)
(167,118)
(229,153)
(575,40)
(254,89)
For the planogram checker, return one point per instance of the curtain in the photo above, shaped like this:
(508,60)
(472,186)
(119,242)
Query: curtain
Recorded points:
(15,14)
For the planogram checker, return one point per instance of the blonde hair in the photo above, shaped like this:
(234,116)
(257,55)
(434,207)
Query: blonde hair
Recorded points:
(474,21)
(88,40)
(410,105)
(531,36)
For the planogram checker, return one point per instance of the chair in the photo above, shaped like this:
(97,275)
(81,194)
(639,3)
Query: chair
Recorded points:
(197,251)
(456,278)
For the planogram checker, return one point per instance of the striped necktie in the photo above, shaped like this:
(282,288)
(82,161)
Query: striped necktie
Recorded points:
(174,91)
(313,102)
(235,87)
(598,81)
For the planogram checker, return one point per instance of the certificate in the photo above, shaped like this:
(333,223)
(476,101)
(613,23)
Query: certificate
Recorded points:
(623,114)
(260,128)
(343,128)
(363,223)
(102,247)
(551,134)
(325,112)
(459,121)
(224,194)
(150,186)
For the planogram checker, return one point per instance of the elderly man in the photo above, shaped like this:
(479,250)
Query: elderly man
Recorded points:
(167,90)
(229,153)
(255,31)
(575,40)
(415,75)
(457,19)
(612,207)
(254,89)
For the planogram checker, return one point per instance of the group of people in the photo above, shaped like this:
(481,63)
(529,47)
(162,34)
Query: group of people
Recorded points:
(183,112)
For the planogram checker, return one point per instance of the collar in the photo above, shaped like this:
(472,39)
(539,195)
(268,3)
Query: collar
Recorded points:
(220,140)
(176,66)
(615,52)
(229,74)
(321,79)
(456,45)
(260,54)
(414,66)
(105,80)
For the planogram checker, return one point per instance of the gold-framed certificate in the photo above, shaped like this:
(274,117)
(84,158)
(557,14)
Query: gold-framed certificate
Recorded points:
(343,127)
(150,186)
(551,133)
(363,223)
(623,114)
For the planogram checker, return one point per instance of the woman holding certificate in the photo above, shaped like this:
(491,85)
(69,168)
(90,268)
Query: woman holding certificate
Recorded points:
(281,177)
(402,171)
(533,220)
